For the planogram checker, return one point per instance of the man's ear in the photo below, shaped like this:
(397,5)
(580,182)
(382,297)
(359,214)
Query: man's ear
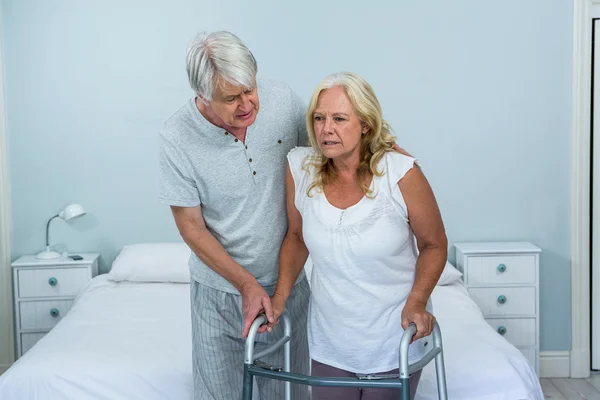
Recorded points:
(202,99)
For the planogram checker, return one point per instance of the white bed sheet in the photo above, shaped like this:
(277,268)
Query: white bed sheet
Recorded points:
(132,341)
(119,341)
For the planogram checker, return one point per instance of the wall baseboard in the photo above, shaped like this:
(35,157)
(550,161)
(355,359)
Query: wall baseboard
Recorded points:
(555,364)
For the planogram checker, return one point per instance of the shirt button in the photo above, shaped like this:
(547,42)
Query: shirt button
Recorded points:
(254,173)
(226,133)
(279,141)
(236,140)
(250,160)
(246,147)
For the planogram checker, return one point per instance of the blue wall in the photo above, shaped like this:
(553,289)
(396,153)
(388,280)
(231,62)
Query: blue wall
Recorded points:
(479,91)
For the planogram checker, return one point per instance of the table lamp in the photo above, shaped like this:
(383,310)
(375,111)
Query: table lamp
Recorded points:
(69,212)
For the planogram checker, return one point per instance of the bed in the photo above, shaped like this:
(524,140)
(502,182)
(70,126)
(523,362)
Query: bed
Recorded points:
(128,339)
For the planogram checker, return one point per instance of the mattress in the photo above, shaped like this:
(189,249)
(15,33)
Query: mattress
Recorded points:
(118,341)
(133,341)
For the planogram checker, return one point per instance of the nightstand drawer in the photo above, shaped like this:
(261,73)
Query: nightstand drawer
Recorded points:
(41,315)
(530,355)
(493,270)
(518,331)
(52,282)
(501,301)
(28,340)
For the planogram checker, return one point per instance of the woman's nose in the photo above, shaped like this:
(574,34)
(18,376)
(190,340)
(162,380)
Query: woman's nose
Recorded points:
(328,126)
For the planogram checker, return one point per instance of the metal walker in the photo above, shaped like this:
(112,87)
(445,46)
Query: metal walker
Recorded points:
(254,367)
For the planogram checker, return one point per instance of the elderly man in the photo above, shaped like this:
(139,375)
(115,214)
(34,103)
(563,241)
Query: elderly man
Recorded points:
(222,171)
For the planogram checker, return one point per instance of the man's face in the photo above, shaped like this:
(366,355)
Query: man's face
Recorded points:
(236,106)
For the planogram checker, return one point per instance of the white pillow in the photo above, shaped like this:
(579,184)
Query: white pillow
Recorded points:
(152,262)
(449,274)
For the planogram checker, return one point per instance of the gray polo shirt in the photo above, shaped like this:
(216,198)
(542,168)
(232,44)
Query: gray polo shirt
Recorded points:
(239,186)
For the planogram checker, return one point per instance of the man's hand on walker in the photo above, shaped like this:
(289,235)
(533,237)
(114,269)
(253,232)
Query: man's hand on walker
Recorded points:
(416,312)
(254,301)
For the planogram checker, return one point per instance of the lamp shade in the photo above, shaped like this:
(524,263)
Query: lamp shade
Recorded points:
(71,211)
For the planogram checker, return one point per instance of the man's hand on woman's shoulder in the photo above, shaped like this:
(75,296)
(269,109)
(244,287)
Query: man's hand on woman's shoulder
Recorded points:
(401,150)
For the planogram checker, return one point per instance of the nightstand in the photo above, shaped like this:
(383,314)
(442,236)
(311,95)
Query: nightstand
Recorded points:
(503,279)
(44,291)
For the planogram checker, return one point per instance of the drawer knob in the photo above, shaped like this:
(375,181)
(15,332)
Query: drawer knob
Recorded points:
(52,281)
(502,329)
(54,312)
(501,268)
(501,299)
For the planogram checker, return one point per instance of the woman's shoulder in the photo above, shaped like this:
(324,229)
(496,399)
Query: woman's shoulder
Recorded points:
(395,164)
(298,155)
(395,158)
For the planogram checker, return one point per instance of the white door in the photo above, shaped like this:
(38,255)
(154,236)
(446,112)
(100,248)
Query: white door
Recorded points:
(595,306)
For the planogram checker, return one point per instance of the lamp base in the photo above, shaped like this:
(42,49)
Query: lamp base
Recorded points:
(48,255)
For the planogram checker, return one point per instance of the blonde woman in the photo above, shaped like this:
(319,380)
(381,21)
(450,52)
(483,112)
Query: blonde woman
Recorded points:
(357,206)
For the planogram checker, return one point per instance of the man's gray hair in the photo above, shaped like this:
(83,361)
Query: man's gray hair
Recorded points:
(219,54)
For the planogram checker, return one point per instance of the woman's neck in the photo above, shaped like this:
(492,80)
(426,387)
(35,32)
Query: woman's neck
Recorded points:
(347,167)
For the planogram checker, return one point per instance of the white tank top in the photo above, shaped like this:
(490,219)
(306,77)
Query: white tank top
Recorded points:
(364,261)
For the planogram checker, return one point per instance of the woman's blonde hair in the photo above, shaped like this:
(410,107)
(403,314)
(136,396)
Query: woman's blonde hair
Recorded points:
(373,144)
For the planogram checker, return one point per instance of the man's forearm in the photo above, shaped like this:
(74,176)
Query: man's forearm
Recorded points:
(430,264)
(292,258)
(210,251)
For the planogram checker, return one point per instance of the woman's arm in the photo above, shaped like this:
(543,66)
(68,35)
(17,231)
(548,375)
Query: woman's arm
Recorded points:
(293,254)
(426,223)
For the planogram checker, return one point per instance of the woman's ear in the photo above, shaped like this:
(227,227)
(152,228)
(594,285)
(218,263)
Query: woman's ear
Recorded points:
(365,128)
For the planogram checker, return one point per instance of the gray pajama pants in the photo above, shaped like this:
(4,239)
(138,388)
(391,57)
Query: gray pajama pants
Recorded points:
(218,347)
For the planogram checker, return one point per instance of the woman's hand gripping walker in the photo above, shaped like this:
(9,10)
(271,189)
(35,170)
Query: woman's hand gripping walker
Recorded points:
(254,367)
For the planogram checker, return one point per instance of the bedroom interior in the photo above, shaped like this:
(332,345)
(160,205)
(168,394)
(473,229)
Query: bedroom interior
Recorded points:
(496,114)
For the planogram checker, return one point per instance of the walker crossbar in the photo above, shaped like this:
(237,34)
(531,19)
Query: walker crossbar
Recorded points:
(254,367)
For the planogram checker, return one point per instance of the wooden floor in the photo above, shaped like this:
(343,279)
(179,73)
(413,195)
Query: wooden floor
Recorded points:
(572,389)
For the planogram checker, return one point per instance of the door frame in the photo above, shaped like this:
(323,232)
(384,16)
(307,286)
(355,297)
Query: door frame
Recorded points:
(580,356)
(7,348)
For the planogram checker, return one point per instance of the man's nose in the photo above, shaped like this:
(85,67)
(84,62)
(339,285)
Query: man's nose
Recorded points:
(245,103)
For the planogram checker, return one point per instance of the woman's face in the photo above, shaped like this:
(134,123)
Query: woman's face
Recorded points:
(337,127)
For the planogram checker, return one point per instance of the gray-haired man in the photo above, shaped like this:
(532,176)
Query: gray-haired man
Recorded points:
(222,171)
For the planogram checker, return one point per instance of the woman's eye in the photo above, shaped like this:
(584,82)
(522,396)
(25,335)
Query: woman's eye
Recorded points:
(318,118)
(339,119)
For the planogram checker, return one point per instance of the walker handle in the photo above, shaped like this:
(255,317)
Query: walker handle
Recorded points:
(250,357)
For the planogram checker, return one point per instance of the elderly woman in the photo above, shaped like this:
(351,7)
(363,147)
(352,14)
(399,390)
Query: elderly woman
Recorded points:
(357,206)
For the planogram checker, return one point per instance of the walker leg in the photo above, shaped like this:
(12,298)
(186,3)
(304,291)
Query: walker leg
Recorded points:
(405,389)
(248,383)
(440,369)
(287,350)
